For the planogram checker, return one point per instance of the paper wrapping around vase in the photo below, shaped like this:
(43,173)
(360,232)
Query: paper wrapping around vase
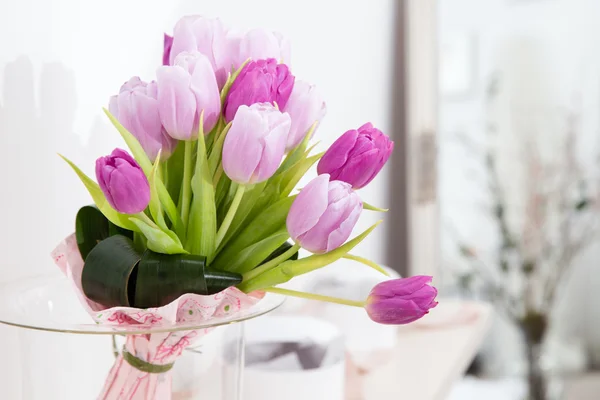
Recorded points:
(293,358)
(125,381)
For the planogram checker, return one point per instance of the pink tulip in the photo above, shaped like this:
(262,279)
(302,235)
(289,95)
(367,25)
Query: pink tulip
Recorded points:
(184,91)
(255,143)
(123,182)
(323,215)
(261,44)
(357,156)
(305,106)
(136,108)
(401,301)
(262,81)
(208,36)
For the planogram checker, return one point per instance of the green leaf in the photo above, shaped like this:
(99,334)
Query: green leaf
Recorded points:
(216,153)
(245,207)
(202,228)
(299,151)
(292,176)
(281,250)
(159,240)
(174,175)
(367,206)
(256,253)
(113,216)
(289,269)
(140,155)
(155,207)
(269,222)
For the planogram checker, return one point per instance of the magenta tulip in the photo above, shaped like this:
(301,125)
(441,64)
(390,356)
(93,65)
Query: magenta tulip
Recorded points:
(305,106)
(261,44)
(323,214)
(136,108)
(357,156)
(262,81)
(401,301)
(255,143)
(167,45)
(123,182)
(207,36)
(185,90)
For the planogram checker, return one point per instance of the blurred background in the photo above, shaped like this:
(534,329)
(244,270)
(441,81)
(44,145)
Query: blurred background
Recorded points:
(493,187)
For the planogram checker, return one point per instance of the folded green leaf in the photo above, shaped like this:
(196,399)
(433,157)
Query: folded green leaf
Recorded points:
(115,274)
(289,269)
(202,228)
(113,216)
(92,227)
(174,175)
(160,241)
(140,155)
(162,278)
(367,206)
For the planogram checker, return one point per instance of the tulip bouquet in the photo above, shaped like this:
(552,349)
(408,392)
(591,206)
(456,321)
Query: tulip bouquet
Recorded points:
(205,202)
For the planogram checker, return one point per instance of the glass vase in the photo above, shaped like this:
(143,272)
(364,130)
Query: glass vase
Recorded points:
(72,358)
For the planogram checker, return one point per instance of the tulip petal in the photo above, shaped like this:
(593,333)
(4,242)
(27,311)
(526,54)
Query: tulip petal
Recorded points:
(337,155)
(339,236)
(404,287)
(205,88)
(273,149)
(395,311)
(241,151)
(308,207)
(176,103)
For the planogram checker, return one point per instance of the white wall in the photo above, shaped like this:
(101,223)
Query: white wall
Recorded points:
(60,60)
(547,52)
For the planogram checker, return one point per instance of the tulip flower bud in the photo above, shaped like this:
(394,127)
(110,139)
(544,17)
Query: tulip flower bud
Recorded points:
(136,108)
(184,91)
(123,182)
(261,44)
(207,36)
(262,81)
(323,214)
(357,156)
(305,106)
(401,301)
(255,143)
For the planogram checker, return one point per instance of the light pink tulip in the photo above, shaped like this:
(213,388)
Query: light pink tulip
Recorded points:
(184,91)
(261,44)
(255,143)
(136,108)
(305,106)
(323,214)
(208,36)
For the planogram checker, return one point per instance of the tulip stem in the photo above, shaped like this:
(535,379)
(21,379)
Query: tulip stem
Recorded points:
(368,263)
(271,264)
(237,199)
(186,188)
(218,175)
(314,296)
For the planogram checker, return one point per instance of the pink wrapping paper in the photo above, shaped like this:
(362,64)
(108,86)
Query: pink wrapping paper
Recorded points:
(125,381)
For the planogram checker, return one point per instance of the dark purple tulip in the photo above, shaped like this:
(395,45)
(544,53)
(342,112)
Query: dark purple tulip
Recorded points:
(262,81)
(168,43)
(401,301)
(123,182)
(357,156)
